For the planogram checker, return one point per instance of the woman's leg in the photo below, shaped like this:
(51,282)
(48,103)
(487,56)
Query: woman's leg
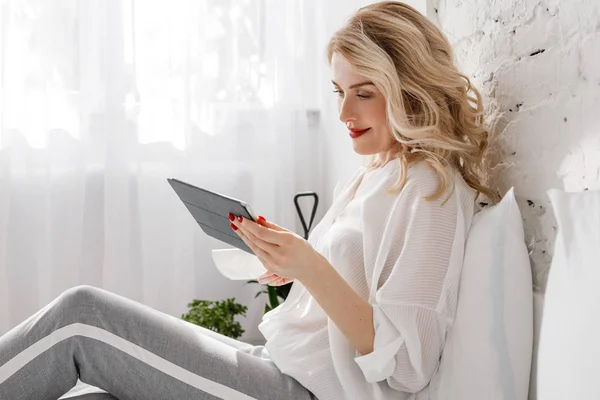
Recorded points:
(133,352)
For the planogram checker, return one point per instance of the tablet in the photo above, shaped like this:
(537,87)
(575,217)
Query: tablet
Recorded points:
(211,210)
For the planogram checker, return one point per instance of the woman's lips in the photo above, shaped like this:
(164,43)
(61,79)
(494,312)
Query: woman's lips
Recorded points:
(355,134)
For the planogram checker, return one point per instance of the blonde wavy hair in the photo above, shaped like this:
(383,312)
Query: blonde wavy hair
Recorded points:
(434,112)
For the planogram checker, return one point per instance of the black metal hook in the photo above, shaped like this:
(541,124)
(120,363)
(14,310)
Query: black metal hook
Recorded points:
(314,210)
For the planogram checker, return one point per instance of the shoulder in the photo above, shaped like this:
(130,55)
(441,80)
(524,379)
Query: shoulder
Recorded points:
(423,181)
(419,175)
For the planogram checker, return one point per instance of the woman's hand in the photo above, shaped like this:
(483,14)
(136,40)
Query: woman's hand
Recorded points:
(272,279)
(282,252)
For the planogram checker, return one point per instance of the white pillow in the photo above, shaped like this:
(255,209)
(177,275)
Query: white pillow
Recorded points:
(569,348)
(488,350)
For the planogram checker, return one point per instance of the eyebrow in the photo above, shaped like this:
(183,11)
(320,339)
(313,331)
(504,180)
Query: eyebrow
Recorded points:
(356,84)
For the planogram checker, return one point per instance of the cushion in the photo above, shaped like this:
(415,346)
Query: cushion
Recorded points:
(93,396)
(488,350)
(568,350)
(83,391)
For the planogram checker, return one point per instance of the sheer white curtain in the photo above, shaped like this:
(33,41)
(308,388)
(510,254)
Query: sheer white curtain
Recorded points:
(101,101)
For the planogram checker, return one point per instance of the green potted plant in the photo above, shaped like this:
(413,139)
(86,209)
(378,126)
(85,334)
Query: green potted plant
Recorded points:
(218,316)
(275,293)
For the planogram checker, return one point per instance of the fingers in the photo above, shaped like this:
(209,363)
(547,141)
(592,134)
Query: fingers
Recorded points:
(258,247)
(272,279)
(269,278)
(263,230)
(254,230)
(266,247)
(279,282)
(262,221)
(246,232)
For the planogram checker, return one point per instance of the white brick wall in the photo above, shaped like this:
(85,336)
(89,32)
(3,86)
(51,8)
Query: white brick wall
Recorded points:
(537,64)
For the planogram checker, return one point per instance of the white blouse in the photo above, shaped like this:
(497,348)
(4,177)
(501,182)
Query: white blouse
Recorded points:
(401,253)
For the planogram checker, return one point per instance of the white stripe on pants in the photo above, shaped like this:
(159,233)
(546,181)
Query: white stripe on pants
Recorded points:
(133,352)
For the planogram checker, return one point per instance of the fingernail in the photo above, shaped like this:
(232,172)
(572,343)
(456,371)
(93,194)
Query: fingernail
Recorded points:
(235,228)
(231,216)
(240,218)
(261,219)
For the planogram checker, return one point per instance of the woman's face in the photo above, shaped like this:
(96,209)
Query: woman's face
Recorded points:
(361,106)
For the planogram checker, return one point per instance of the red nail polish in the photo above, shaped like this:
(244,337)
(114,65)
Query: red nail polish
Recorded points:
(240,218)
(235,228)
(261,219)
(231,216)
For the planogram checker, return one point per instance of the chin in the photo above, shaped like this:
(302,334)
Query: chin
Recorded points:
(361,150)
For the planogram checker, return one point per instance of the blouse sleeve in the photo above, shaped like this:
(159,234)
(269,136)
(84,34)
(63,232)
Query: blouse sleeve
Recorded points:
(412,244)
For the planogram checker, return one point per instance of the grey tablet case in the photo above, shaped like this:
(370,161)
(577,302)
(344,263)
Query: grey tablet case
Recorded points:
(211,210)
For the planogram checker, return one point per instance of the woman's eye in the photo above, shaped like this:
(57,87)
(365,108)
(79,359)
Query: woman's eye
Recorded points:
(360,96)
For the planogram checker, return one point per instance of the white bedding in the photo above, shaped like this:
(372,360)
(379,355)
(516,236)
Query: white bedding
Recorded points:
(83,391)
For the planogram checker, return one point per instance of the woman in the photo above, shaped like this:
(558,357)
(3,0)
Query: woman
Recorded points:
(375,285)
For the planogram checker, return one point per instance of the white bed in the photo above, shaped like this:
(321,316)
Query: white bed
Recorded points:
(83,391)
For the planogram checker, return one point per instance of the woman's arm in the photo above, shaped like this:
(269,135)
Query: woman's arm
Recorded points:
(351,314)
(286,254)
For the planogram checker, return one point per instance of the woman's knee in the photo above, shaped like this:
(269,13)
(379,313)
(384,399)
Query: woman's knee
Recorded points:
(79,296)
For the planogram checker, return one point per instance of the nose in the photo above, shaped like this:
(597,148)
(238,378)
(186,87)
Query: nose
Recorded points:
(347,112)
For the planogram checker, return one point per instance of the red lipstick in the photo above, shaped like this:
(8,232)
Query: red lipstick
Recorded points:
(354,133)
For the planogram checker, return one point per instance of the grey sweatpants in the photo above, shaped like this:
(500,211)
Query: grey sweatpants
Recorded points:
(133,352)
